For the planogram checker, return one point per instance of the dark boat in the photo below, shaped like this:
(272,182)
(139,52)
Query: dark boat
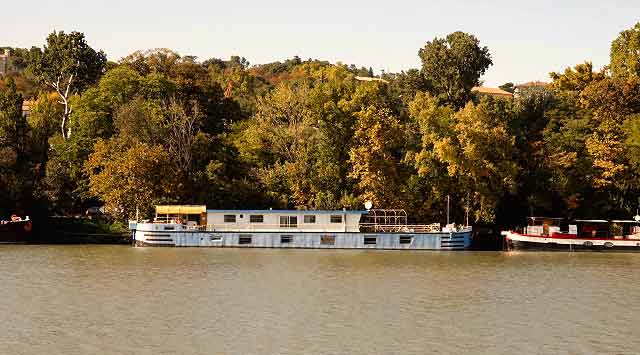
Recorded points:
(15,230)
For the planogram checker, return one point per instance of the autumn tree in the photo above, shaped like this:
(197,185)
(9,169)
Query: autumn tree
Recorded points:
(374,158)
(470,153)
(129,179)
(575,79)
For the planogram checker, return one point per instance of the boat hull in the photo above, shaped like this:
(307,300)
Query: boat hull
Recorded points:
(15,232)
(157,235)
(517,241)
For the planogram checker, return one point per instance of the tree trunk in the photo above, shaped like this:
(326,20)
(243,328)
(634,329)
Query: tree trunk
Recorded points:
(66,132)
(64,100)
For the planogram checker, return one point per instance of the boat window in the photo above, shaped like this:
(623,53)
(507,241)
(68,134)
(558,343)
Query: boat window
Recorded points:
(229,218)
(370,240)
(216,238)
(310,219)
(256,218)
(288,221)
(245,239)
(286,239)
(328,240)
(336,219)
(406,239)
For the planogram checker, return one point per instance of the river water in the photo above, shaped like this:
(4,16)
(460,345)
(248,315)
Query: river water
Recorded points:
(123,300)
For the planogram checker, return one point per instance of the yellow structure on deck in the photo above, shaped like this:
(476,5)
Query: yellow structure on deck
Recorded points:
(189,214)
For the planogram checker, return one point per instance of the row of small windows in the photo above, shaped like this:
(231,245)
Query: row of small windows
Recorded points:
(285,221)
(326,239)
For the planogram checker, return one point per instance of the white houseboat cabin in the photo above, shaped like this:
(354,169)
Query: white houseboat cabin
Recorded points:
(382,229)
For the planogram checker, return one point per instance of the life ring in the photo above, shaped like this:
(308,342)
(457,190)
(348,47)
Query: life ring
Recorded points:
(178,221)
(28,226)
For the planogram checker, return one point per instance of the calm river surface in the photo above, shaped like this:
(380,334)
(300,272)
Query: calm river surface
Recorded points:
(118,299)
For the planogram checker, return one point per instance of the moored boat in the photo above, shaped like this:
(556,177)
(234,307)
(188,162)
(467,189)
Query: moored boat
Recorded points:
(544,233)
(195,226)
(15,230)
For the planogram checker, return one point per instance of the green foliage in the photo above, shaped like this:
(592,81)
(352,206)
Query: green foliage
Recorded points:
(576,79)
(158,127)
(452,66)
(67,65)
(508,87)
(625,53)
(127,179)
(474,145)
(374,164)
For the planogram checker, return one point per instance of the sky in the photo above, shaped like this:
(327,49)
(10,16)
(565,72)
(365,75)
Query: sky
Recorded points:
(527,40)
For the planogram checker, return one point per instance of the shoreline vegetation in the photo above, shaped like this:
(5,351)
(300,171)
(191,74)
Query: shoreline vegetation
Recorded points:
(79,131)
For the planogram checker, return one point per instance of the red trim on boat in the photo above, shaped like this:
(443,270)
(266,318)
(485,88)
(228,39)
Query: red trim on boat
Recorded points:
(561,236)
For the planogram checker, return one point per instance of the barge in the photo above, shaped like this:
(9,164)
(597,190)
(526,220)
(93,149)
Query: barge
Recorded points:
(195,226)
(555,234)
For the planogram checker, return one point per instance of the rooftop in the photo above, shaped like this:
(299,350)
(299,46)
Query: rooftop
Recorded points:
(366,78)
(288,211)
(491,91)
(532,84)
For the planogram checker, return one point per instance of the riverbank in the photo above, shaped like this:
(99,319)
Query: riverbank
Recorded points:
(78,230)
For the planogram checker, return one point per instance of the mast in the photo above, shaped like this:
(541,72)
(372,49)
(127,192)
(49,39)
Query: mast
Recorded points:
(448,203)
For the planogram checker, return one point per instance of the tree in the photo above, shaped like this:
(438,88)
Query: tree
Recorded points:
(470,154)
(373,158)
(67,65)
(129,179)
(625,53)
(452,66)
(508,87)
(13,125)
(159,60)
(13,145)
(182,126)
(43,122)
(575,79)
(565,153)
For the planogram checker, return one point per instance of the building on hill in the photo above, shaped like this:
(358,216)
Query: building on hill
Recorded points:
(530,86)
(4,62)
(366,78)
(495,92)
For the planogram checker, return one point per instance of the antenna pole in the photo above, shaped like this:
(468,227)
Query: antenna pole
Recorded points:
(448,202)
(467,216)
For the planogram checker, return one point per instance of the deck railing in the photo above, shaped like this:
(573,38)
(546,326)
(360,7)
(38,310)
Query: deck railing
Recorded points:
(401,228)
(261,227)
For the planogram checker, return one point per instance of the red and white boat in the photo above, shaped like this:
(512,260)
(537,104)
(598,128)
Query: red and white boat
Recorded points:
(544,233)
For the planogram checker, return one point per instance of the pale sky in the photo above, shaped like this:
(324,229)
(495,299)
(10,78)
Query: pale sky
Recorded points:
(527,39)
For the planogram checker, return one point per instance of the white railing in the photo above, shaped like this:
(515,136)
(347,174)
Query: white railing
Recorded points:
(261,227)
(401,228)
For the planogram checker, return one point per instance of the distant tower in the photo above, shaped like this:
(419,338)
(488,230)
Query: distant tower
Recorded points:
(4,62)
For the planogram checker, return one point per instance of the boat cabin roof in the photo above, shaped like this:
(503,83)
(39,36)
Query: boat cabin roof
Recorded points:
(297,212)
(180,209)
(591,221)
